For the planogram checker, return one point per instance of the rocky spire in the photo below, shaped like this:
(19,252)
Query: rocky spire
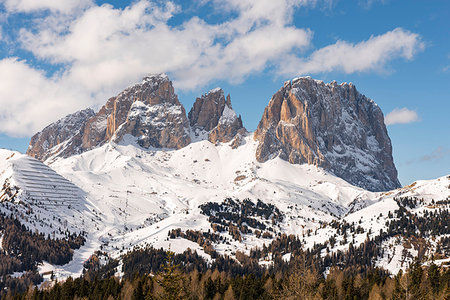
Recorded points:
(332,126)
(212,117)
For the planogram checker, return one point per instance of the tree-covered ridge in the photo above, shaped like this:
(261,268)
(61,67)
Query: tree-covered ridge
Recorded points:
(411,228)
(21,250)
(343,253)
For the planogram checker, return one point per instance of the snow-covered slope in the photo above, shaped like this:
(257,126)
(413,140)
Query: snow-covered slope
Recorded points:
(429,197)
(143,194)
(46,202)
(125,195)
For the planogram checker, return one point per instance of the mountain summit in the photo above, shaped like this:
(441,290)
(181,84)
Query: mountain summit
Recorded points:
(212,116)
(307,121)
(332,126)
(149,111)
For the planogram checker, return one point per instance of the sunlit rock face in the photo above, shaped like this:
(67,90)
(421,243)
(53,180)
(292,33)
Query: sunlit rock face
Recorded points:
(149,111)
(332,126)
(212,117)
(62,138)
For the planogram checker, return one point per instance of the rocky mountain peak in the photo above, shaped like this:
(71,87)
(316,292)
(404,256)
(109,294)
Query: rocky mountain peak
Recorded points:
(212,117)
(126,110)
(332,126)
(149,111)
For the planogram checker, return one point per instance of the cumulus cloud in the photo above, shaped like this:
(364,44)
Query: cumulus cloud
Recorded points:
(103,49)
(372,54)
(401,116)
(107,46)
(28,99)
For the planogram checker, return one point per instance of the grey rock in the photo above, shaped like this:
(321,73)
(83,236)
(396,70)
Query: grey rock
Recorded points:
(332,126)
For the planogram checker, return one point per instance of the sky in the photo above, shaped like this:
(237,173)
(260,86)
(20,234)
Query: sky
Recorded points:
(57,57)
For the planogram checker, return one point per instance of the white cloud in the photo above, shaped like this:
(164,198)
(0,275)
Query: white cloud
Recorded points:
(108,47)
(28,99)
(39,5)
(103,49)
(401,116)
(372,54)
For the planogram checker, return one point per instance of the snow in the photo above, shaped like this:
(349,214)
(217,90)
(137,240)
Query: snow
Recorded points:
(125,196)
(55,203)
(228,116)
(286,257)
(215,90)
(153,77)
(154,115)
(131,185)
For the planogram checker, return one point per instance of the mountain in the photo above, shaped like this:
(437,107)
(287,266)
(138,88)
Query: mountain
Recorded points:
(332,126)
(140,172)
(41,195)
(212,116)
(307,121)
(149,111)
(48,207)
(62,138)
(144,194)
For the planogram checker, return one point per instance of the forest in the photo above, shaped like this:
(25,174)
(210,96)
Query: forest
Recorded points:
(173,280)
(21,250)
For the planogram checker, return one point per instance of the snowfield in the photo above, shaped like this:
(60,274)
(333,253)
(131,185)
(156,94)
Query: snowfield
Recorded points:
(123,195)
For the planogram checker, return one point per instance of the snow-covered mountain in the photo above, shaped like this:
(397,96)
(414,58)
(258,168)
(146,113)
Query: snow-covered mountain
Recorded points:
(135,186)
(140,170)
(47,203)
(139,195)
(307,121)
(30,184)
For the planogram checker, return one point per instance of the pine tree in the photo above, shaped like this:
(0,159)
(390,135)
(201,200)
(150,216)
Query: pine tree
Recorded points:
(433,277)
(171,281)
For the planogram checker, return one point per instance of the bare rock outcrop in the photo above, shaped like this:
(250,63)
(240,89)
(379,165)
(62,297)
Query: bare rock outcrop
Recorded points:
(62,138)
(212,117)
(332,126)
(153,115)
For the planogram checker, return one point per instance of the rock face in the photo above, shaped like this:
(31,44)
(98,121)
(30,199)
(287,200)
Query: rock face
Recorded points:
(212,117)
(332,126)
(62,138)
(149,111)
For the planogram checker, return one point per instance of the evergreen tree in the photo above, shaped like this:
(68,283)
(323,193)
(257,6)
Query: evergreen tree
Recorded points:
(171,280)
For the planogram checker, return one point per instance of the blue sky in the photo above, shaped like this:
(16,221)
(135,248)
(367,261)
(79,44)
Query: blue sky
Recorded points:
(57,57)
